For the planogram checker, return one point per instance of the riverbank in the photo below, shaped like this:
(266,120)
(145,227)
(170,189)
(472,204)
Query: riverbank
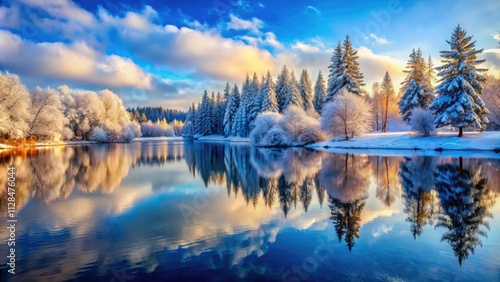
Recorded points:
(473,141)
(221,138)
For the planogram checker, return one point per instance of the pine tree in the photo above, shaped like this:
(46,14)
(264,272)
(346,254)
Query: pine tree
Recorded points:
(240,122)
(255,101)
(336,70)
(282,84)
(188,128)
(459,100)
(429,72)
(269,102)
(206,115)
(344,71)
(231,108)
(306,90)
(387,93)
(416,89)
(293,96)
(319,93)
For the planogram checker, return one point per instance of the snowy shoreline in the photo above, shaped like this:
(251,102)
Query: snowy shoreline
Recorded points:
(397,141)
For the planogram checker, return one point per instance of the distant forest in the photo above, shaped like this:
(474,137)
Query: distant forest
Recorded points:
(143,114)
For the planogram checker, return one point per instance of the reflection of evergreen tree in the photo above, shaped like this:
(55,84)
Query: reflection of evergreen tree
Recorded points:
(385,172)
(416,175)
(285,195)
(346,217)
(320,190)
(465,200)
(306,191)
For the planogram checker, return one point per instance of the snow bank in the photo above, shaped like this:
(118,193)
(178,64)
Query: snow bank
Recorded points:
(473,141)
(221,138)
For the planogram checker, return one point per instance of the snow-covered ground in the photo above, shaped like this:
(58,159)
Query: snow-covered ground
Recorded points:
(473,141)
(221,138)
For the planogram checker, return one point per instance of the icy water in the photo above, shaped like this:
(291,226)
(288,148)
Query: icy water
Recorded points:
(175,211)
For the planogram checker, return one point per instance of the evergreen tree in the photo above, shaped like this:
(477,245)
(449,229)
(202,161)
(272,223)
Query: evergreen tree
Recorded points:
(255,101)
(282,85)
(231,108)
(306,90)
(197,120)
(459,92)
(240,122)
(269,102)
(293,96)
(429,73)
(206,115)
(416,89)
(336,69)
(319,93)
(387,93)
(345,72)
(188,128)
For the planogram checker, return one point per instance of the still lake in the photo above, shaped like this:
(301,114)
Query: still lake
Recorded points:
(184,211)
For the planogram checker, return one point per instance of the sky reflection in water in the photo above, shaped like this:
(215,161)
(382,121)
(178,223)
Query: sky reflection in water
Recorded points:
(174,210)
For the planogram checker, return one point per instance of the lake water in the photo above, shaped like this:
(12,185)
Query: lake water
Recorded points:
(176,211)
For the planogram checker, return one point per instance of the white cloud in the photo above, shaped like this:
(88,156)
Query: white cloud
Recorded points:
(492,57)
(496,36)
(379,40)
(382,230)
(254,25)
(313,9)
(304,47)
(75,62)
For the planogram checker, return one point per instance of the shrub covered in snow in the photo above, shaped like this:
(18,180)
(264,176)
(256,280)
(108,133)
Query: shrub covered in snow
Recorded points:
(294,128)
(348,115)
(99,135)
(157,129)
(422,121)
(262,125)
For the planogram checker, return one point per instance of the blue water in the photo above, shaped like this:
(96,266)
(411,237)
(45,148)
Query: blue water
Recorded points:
(175,211)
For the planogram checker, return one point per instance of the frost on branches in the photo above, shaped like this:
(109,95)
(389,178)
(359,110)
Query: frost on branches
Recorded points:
(459,100)
(416,88)
(348,115)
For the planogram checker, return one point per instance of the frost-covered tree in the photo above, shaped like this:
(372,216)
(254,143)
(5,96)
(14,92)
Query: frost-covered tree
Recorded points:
(306,91)
(292,96)
(255,101)
(491,97)
(387,95)
(14,106)
(240,122)
(345,73)
(430,72)
(459,92)
(47,116)
(282,88)
(335,71)
(188,128)
(319,93)
(422,121)
(269,101)
(377,105)
(206,120)
(231,109)
(416,88)
(348,115)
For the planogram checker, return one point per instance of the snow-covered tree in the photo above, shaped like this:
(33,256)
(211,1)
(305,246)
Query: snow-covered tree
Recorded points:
(459,92)
(47,116)
(206,115)
(335,71)
(491,97)
(240,122)
(263,123)
(292,96)
(416,88)
(319,93)
(348,115)
(282,88)
(231,109)
(306,91)
(387,95)
(255,100)
(430,72)
(377,105)
(14,106)
(422,122)
(269,101)
(345,73)
(188,128)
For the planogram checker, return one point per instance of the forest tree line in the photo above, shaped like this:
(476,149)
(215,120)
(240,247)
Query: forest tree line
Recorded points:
(294,111)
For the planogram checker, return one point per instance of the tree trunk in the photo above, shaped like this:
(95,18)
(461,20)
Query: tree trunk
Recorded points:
(460,131)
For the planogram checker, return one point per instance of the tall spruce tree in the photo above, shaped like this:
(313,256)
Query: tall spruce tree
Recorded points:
(282,85)
(387,94)
(319,93)
(269,102)
(293,96)
(231,109)
(206,115)
(417,92)
(459,92)
(335,71)
(306,90)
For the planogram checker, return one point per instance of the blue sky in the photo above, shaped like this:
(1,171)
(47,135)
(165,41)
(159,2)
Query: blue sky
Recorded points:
(167,52)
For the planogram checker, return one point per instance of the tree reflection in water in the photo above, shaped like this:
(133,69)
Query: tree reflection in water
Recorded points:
(458,193)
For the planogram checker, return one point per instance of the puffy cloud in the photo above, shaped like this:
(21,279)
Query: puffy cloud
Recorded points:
(492,63)
(253,25)
(75,62)
(379,40)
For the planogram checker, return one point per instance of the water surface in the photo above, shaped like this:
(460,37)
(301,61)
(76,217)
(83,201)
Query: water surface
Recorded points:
(162,210)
